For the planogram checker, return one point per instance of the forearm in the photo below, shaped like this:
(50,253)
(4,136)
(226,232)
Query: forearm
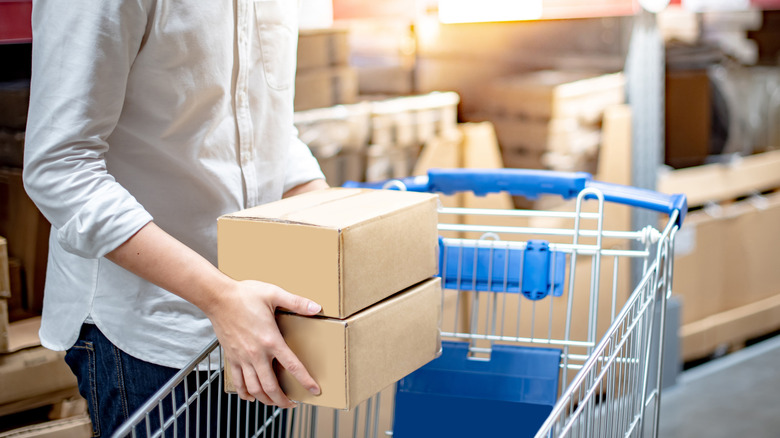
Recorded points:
(157,257)
(317,184)
(241,312)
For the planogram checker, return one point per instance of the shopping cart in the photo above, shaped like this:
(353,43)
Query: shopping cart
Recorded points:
(544,332)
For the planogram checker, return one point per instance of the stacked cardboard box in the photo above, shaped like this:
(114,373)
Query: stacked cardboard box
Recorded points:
(30,376)
(379,137)
(725,253)
(367,257)
(550,119)
(27,232)
(383,53)
(324,77)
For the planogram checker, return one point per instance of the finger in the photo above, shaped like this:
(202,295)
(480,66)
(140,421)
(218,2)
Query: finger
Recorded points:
(271,387)
(295,303)
(289,361)
(253,387)
(238,382)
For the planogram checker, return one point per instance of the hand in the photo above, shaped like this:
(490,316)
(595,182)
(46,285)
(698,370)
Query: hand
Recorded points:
(245,325)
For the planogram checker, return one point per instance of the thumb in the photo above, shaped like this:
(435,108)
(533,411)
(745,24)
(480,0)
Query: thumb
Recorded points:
(297,304)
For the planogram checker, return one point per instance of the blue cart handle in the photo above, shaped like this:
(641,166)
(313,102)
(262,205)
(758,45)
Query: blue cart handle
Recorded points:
(531,183)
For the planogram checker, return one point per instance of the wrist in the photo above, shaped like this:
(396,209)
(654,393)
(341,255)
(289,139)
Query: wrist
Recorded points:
(216,293)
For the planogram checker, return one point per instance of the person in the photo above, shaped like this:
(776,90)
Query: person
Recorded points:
(149,119)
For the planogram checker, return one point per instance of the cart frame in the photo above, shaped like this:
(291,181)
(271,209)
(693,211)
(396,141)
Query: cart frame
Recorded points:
(617,387)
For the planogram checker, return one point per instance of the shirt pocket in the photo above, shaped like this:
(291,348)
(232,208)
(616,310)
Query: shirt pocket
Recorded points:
(277,30)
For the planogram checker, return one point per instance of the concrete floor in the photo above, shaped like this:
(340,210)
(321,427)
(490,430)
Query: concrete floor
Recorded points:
(737,395)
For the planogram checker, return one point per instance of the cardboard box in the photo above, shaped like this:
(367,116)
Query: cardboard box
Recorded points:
(724,181)
(554,94)
(346,249)
(11,148)
(700,265)
(688,118)
(3,325)
(322,48)
(558,135)
(14,102)
(16,310)
(33,372)
(27,232)
(5,281)
(324,87)
(78,427)
(394,80)
(354,358)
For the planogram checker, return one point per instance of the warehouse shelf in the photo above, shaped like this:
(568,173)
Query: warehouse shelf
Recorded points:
(15,24)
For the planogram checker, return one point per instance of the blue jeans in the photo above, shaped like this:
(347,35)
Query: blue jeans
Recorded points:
(116,384)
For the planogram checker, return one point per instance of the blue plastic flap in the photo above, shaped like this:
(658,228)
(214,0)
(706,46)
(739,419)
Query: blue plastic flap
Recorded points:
(534,272)
(513,373)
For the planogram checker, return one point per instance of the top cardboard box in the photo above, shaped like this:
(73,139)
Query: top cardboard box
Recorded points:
(346,249)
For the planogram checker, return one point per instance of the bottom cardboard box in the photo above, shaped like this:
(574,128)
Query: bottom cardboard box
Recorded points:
(77,427)
(33,372)
(354,358)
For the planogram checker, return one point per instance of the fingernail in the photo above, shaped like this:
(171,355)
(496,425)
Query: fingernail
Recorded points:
(314,390)
(314,307)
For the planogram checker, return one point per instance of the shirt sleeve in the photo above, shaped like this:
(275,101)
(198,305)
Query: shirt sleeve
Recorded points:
(82,54)
(302,167)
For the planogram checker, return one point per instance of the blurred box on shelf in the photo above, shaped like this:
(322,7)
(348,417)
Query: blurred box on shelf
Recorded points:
(338,137)
(22,334)
(566,136)
(27,233)
(34,377)
(559,94)
(400,126)
(5,279)
(318,48)
(14,102)
(355,246)
(550,119)
(688,118)
(676,23)
(378,137)
(11,148)
(75,427)
(324,87)
(393,80)
(354,358)
(725,252)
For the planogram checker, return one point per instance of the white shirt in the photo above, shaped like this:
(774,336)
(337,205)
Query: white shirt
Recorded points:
(172,111)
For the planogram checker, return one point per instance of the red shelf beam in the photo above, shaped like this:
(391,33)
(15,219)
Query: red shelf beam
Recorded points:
(15,24)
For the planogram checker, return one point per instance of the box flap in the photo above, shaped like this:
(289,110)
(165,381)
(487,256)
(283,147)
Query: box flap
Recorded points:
(334,208)
(368,205)
(280,209)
